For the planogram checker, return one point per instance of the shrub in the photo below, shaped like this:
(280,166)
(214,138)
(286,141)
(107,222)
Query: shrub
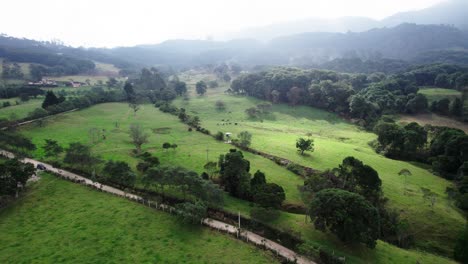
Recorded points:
(264,214)
(219,136)
(295,168)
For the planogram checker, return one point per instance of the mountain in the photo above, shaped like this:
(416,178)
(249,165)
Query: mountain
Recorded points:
(343,24)
(403,42)
(449,12)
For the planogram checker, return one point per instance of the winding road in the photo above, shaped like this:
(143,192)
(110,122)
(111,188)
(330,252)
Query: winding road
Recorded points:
(215,224)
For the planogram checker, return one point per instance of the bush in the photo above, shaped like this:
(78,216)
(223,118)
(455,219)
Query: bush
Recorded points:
(220,105)
(264,214)
(295,168)
(219,136)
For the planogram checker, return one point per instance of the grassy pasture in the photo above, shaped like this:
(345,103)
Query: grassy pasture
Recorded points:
(336,139)
(192,146)
(434,94)
(19,111)
(191,153)
(434,120)
(61,222)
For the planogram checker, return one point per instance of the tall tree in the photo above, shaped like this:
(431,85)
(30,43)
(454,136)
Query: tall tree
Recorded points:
(303,144)
(50,99)
(245,138)
(80,155)
(52,148)
(201,87)
(139,137)
(347,215)
(119,173)
(235,176)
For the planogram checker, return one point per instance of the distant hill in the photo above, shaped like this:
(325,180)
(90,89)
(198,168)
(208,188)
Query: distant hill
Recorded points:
(403,42)
(449,12)
(400,45)
(342,24)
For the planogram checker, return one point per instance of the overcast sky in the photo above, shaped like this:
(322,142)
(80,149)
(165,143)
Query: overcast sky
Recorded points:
(109,23)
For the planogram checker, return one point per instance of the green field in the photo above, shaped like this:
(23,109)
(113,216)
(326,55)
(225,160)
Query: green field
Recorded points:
(434,94)
(336,139)
(191,151)
(20,111)
(61,222)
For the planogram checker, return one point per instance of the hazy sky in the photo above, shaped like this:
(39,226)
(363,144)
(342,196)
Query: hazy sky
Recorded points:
(128,22)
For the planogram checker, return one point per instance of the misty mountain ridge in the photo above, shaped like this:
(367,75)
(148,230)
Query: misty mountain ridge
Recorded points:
(450,12)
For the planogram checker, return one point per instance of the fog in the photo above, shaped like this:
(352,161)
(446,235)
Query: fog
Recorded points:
(126,23)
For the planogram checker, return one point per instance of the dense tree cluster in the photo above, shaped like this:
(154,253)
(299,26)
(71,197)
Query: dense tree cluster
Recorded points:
(11,91)
(53,104)
(13,177)
(46,63)
(11,71)
(236,178)
(348,201)
(365,97)
(444,148)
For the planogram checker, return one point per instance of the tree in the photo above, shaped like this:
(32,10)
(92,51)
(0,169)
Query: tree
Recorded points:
(220,105)
(219,136)
(50,99)
(13,175)
(235,176)
(269,195)
(461,247)
(179,87)
(429,196)
(211,168)
(252,112)
(166,145)
(52,148)
(245,139)
(139,137)
(347,215)
(294,95)
(257,181)
(213,84)
(360,178)
(80,155)
(201,87)
(119,173)
(191,212)
(132,98)
(303,144)
(405,173)
(456,107)
(417,104)
(112,82)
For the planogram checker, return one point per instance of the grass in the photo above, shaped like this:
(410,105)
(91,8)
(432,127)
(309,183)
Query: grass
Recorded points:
(435,94)
(336,139)
(20,111)
(434,120)
(106,69)
(192,146)
(61,222)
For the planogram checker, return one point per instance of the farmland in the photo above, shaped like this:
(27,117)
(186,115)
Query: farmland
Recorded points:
(58,221)
(192,153)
